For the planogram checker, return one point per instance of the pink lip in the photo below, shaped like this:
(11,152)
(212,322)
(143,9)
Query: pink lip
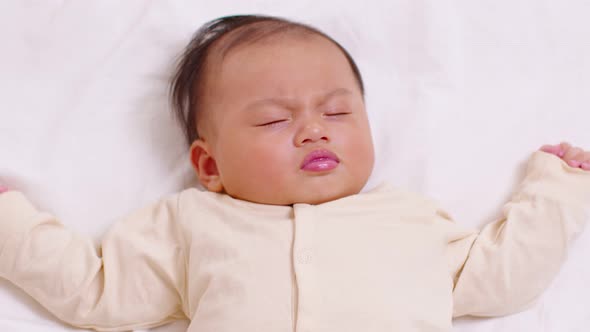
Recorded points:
(319,161)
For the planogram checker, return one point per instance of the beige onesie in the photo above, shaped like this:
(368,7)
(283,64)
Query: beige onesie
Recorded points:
(385,260)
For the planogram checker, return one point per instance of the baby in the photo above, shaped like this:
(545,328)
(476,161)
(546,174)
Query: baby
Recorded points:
(282,239)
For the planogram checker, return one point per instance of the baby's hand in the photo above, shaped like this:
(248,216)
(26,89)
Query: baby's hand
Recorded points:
(572,155)
(3,189)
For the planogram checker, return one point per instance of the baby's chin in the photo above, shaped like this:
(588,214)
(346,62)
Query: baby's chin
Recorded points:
(300,195)
(316,198)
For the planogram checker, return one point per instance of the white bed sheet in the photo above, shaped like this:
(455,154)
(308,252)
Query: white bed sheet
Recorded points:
(459,95)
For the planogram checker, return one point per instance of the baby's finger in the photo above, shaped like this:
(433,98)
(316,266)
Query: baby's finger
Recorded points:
(565,146)
(553,149)
(586,161)
(574,154)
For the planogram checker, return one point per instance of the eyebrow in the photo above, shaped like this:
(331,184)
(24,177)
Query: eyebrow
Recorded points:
(287,102)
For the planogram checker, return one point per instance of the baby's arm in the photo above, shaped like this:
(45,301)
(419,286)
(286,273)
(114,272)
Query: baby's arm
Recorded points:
(135,280)
(504,268)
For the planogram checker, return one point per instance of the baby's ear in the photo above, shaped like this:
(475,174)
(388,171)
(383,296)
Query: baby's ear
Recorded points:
(205,166)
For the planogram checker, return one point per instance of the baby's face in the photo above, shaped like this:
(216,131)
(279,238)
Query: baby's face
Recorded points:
(284,123)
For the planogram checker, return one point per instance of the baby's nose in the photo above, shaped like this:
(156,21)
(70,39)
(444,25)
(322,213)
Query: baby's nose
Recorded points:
(310,133)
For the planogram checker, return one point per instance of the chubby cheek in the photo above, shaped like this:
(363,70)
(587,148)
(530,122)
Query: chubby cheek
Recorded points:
(258,163)
(275,157)
(357,144)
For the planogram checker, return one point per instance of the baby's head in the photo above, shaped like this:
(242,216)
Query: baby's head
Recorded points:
(273,111)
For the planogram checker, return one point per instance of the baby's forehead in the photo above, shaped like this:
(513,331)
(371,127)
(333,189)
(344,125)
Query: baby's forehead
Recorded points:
(260,52)
(257,47)
(280,64)
(253,37)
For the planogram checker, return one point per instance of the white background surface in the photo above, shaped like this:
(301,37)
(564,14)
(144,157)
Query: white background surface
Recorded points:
(459,94)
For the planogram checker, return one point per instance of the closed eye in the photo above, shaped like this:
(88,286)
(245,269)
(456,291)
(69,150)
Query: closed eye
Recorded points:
(271,123)
(337,114)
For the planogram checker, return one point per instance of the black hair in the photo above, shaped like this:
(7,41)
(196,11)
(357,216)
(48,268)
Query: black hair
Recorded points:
(189,75)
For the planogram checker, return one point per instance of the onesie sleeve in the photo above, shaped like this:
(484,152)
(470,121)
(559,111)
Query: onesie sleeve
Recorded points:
(504,268)
(134,279)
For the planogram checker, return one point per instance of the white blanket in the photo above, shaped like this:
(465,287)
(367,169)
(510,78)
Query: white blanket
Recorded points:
(459,94)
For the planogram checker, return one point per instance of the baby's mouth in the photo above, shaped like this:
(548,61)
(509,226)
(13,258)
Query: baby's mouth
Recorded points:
(320,160)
